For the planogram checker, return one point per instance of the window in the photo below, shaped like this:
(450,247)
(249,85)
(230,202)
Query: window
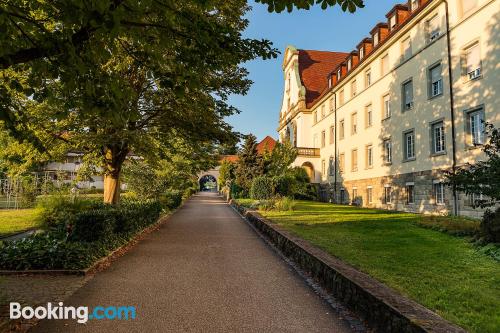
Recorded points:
(342,163)
(472,62)
(438,143)
(432,28)
(368,78)
(392,22)
(410,193)
(354,160)
(475,121)
(386,106)
(339,74)
(354,123)
(361,53)
(375,39)
(409,145)
(475,199)
(384,65)
(354,193)
(406,49)
(414,4)
(332,134)
(368,116)
(369,156)
(349,64)
(331,104)
(435,81)
(331,166)
(408,95)
(369,194)
(315,140)
(353,88)
(323,114)
(468,5)
(315,117)
(323,139)
(341,129)
(439,193)
(387,194)
(387,151)
(341,97)
(288,83)
(323,169)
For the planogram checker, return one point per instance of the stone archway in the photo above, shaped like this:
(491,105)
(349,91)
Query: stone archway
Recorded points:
(309,169)
(208,183)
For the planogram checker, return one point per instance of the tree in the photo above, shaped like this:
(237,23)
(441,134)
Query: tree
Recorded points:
(250,163)
(278,161)
(226,173)
(115,76)
(483,177)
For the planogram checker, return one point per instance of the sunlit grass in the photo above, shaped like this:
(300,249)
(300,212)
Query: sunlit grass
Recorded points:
(443,272)
(17,220)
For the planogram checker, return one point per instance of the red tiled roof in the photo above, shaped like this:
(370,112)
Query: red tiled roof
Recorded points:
(267,143)
(314,69)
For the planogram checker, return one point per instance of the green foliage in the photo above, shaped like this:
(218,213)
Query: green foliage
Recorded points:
(453,225)
(91,234)
(226,173)
(59,210)
(482,177)
(250,164)
(490,226)
(262,188)
(280,5)
(278,161)
(283,204)
(284,185)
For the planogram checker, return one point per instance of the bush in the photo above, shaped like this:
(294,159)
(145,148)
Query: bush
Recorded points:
(93,233)
(262,188)
(284,204)
(94,225)
(490,226)
(284,185)
(171,200)
(59,210)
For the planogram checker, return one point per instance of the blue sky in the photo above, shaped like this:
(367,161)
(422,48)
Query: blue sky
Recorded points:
(315,29)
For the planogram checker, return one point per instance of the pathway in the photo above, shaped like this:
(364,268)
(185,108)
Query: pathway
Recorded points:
(204,270)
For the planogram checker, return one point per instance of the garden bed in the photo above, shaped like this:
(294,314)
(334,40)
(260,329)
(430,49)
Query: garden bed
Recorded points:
(446,274)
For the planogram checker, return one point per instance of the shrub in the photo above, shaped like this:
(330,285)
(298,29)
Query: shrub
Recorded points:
(262,188)
(59,210)
(284,204)
(453,225)
(284,185)
(172,199)
(94,225)
(490,226)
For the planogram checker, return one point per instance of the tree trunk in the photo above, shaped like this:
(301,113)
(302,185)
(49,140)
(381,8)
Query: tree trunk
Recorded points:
(114,156)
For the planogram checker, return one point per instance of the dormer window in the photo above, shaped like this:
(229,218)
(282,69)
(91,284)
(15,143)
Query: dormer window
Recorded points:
(338,75)
(349,64)
(375,39)
(413,4)
(392,22)
(361,53)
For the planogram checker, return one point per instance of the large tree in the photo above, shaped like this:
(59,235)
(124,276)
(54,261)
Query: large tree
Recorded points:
(113,76)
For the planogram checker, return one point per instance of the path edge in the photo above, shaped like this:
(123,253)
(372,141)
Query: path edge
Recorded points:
(381,307)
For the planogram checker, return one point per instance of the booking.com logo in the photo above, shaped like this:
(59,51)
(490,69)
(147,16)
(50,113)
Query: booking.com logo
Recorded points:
(81,313)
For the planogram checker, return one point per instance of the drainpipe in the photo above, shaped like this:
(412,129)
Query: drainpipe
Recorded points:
(452,108)
(335,148)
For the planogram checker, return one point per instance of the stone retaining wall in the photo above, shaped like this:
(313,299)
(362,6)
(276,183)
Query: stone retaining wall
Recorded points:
(381,307)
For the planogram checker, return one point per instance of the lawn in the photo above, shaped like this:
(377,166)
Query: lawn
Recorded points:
(443,272)
(16,220)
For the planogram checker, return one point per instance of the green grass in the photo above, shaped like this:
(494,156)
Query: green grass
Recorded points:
(442,272)
(17,220)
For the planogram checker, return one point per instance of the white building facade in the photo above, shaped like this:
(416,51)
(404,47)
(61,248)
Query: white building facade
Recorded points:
(379,125)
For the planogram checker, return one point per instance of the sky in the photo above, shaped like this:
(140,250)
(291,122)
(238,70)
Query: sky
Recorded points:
(314,29)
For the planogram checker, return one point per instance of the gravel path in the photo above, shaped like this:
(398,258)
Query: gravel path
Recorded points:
(204,270)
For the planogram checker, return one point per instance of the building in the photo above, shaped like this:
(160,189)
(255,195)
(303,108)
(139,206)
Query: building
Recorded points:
(378,126)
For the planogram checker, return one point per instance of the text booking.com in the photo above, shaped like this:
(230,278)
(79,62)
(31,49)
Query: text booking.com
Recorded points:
(81,314)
